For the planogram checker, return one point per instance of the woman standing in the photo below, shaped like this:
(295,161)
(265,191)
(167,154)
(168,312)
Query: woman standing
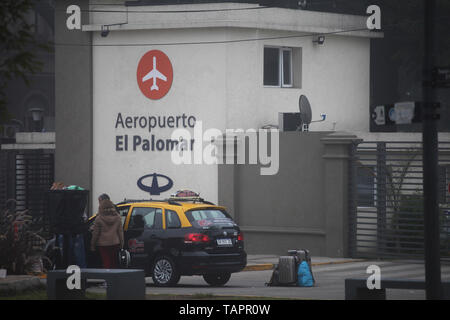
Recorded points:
(107,234)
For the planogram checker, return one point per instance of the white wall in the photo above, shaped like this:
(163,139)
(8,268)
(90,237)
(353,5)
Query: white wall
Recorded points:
(220,84)
(198,89)
(335,78)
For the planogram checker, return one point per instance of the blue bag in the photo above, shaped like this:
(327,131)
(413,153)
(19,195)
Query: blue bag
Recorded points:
(304,275)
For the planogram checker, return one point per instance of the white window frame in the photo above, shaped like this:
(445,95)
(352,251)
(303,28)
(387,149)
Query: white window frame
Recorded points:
(281,83)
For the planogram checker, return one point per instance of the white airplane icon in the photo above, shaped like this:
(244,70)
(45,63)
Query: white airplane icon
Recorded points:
(154,74)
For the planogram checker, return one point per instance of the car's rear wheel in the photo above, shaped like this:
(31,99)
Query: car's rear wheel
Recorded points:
(164,272)
(217,280)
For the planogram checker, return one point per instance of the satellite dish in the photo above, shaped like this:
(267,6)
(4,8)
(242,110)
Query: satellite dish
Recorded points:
(305,112)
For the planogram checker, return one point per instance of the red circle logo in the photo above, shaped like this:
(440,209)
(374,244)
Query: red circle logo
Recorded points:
(154,74)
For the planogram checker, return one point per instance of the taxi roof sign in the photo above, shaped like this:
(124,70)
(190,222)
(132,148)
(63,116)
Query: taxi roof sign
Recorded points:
(185,194)
(188,195)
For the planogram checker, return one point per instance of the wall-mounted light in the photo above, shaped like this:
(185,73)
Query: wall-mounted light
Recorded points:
(105,28)
(36,113)
(320,40)
(302,4)
(105,31)
(37,117)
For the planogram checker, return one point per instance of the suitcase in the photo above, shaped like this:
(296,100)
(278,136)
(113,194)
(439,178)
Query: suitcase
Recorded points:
(301,255)
(287,270)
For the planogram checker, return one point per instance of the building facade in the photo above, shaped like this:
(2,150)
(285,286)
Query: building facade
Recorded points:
(234,66)
(135,81)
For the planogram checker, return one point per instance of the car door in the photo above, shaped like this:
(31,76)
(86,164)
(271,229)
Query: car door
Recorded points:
(123,212)
(142,234)
(174,232)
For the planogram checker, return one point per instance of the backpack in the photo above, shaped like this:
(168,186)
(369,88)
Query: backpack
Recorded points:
(274,279)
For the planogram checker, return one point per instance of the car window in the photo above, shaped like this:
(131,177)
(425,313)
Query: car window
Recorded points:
(209,217)
(142,217)
(172,220)
(123,212)
(196,215)
(158,219)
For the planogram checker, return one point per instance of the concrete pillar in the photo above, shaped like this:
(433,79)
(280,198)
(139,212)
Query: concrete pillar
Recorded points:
(228,189)
(228,175)
(73,98)
(336,196)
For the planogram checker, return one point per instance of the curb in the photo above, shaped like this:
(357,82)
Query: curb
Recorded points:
(336,262)
(259,267)
(20,285)
(270,266)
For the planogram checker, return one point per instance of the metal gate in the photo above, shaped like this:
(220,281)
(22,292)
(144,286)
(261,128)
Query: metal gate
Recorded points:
(26,176)
(386,217)
(3,179)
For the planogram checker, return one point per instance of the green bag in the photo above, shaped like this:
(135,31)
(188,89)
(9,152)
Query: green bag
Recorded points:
(73,187)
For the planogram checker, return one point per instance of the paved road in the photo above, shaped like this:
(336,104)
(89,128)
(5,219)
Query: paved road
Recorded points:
(329,278)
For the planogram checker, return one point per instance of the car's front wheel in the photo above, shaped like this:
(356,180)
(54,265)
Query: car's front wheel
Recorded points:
(217,280)
(164,272)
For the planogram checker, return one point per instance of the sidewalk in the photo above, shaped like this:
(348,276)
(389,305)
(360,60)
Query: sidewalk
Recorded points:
(16,284)
(259,262)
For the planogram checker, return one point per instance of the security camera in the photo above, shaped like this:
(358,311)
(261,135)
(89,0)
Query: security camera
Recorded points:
(320,40)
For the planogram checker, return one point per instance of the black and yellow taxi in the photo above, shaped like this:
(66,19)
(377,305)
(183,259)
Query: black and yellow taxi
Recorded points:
(183,235)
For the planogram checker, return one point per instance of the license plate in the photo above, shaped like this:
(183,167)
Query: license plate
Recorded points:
(224,242)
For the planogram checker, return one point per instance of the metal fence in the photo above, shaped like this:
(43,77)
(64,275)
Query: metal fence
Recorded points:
(3,180)
(26,176)
(386,218)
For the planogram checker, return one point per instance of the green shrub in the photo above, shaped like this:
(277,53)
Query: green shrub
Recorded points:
(21,245)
